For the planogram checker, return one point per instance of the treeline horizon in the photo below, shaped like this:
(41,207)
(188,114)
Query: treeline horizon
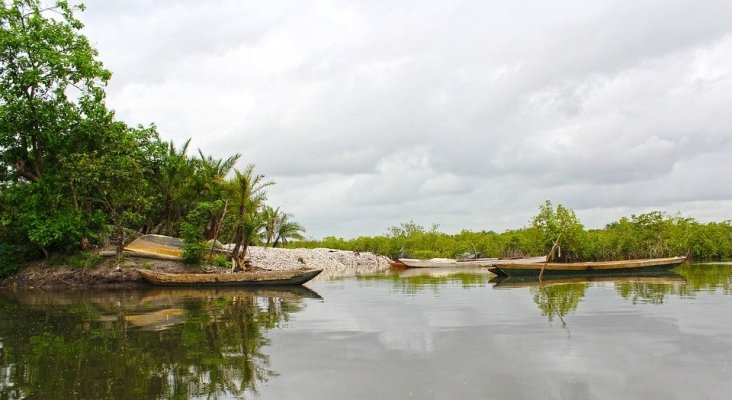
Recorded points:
(648,235)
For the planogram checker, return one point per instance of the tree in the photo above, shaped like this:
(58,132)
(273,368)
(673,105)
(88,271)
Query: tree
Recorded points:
(210,184)
(116,178)
(172,181)
(249,196)
(51,101)
(286,230)
(561,225)
(271,220)
(50,82)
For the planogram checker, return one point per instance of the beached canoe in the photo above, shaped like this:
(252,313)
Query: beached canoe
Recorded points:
(592,267)
(160,246)
(253,278)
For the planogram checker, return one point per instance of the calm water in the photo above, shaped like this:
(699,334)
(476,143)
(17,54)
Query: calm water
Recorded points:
(389,336)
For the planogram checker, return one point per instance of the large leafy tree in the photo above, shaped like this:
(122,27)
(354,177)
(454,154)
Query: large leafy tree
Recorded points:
(51,106)
(559,225)
(116,179)
(50,84)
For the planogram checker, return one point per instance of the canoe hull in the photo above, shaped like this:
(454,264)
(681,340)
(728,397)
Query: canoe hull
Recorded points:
(652,265)
(266,278)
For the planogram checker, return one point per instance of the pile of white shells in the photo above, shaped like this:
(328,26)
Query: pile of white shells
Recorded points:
(335,263)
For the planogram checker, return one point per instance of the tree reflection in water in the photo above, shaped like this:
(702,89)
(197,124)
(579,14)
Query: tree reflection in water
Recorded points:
(558,300)
(187,344)
(556,297)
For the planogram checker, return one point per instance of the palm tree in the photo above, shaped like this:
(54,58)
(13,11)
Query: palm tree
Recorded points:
(249,196)
(210,184)
(211,174)
(286,230)
(173,181)
(271,216)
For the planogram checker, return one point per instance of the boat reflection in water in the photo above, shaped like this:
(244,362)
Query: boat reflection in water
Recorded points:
(557,296)
(159,343)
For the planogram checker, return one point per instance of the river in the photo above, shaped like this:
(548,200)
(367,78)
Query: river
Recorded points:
(421,335)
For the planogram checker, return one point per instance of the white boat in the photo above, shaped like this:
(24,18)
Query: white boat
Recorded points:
(488,262)
(431,263)
(481,262)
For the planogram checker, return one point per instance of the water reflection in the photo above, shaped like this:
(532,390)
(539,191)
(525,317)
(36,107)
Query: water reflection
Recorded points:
(415,280)
(560,296)
(140,344)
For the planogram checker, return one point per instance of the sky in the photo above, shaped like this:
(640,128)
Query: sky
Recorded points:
(465,114)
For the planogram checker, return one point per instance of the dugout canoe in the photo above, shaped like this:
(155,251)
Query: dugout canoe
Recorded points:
(592,267)
(254,278)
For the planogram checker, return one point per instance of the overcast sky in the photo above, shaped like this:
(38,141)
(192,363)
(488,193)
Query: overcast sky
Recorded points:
(467,114)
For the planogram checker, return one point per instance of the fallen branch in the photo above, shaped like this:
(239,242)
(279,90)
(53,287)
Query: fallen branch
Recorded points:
(109,253)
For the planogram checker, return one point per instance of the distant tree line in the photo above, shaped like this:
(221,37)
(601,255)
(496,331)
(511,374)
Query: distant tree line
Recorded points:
(649,235)
(73,176)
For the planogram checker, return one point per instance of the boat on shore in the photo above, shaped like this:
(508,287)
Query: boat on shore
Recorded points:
(246,278)
(165,247)
(590,267)
(480,262)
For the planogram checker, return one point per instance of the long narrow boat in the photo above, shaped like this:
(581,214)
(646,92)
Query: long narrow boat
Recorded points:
(593,267)
(254,278)
(482,262)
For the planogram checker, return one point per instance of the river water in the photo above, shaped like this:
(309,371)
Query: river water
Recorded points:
(435,335)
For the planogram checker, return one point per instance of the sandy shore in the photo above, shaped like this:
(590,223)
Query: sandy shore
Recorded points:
(335,264)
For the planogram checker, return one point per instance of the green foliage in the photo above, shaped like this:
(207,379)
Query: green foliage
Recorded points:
(559,225)
(68,169)
(195,248)
(83,260)
(654,234)
(9,259)
(220,261)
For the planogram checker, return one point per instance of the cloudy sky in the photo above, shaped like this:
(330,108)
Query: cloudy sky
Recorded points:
(467,114)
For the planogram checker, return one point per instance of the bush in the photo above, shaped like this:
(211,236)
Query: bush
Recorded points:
(83,260)
(220,261)
(9,260)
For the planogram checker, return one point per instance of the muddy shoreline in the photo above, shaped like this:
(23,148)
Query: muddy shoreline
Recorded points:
(335,264)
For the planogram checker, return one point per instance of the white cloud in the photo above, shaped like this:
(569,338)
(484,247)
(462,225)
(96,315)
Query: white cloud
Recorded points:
(466,114)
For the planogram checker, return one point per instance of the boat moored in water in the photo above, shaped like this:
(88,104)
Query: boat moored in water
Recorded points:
(590,267)
(246,278)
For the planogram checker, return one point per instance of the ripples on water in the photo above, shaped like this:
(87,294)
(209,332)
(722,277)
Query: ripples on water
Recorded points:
(415,334)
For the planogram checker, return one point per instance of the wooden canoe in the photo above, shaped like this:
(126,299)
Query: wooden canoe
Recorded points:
(592,267)
(254,278)
(160,246)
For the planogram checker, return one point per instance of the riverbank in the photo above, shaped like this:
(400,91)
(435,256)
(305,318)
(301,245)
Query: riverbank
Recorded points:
(335,264)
